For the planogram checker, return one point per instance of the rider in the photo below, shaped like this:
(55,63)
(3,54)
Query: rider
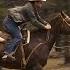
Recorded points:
(17,16)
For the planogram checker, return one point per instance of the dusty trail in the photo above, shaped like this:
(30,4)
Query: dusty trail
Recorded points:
(53,64)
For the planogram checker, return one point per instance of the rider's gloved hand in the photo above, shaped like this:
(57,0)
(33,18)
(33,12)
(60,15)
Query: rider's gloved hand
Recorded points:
(47,26)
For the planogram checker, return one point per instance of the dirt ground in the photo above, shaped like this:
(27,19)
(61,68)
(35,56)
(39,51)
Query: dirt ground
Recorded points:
(56,61)
(56,64)
(53,64)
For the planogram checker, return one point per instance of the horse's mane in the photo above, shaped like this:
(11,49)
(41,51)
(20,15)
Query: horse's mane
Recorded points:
(58,18)
(61,14)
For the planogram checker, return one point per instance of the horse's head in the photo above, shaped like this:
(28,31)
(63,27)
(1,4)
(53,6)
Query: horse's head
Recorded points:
(65,16)
(56,23)
(59,23)
(66,22)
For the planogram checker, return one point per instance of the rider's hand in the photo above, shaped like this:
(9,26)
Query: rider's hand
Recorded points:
(47,26)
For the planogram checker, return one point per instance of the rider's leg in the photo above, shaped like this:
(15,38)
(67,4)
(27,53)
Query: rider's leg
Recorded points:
(15,32)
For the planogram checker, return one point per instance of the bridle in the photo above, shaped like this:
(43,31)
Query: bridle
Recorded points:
(64,19)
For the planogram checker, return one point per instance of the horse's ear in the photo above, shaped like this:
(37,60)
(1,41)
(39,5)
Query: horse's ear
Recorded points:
(63,14)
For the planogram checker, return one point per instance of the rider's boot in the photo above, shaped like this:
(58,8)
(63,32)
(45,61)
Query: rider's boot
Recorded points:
(6,55)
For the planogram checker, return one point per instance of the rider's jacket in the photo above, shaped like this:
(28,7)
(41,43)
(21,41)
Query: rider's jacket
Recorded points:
(26,13)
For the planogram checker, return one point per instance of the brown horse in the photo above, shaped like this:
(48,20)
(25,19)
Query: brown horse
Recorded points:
(41,43)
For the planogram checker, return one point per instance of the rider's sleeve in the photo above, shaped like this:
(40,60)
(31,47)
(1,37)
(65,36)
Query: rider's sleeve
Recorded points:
(15,13)
(34,20)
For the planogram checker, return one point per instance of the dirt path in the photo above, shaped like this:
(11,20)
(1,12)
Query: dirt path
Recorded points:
(8,69)
(53,64)
(56,64)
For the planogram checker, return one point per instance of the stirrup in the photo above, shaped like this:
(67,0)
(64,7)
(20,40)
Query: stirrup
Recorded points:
(6,55)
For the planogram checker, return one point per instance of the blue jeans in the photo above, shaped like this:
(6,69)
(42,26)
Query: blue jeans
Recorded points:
(12,28)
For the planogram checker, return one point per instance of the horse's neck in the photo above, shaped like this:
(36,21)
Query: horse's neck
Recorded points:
(65,17)
(56,20)
(65,25)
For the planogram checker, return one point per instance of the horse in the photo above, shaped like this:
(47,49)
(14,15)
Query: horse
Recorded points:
(41,43)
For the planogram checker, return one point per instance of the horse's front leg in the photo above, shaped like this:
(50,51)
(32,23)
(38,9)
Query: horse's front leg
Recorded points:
(34,66)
